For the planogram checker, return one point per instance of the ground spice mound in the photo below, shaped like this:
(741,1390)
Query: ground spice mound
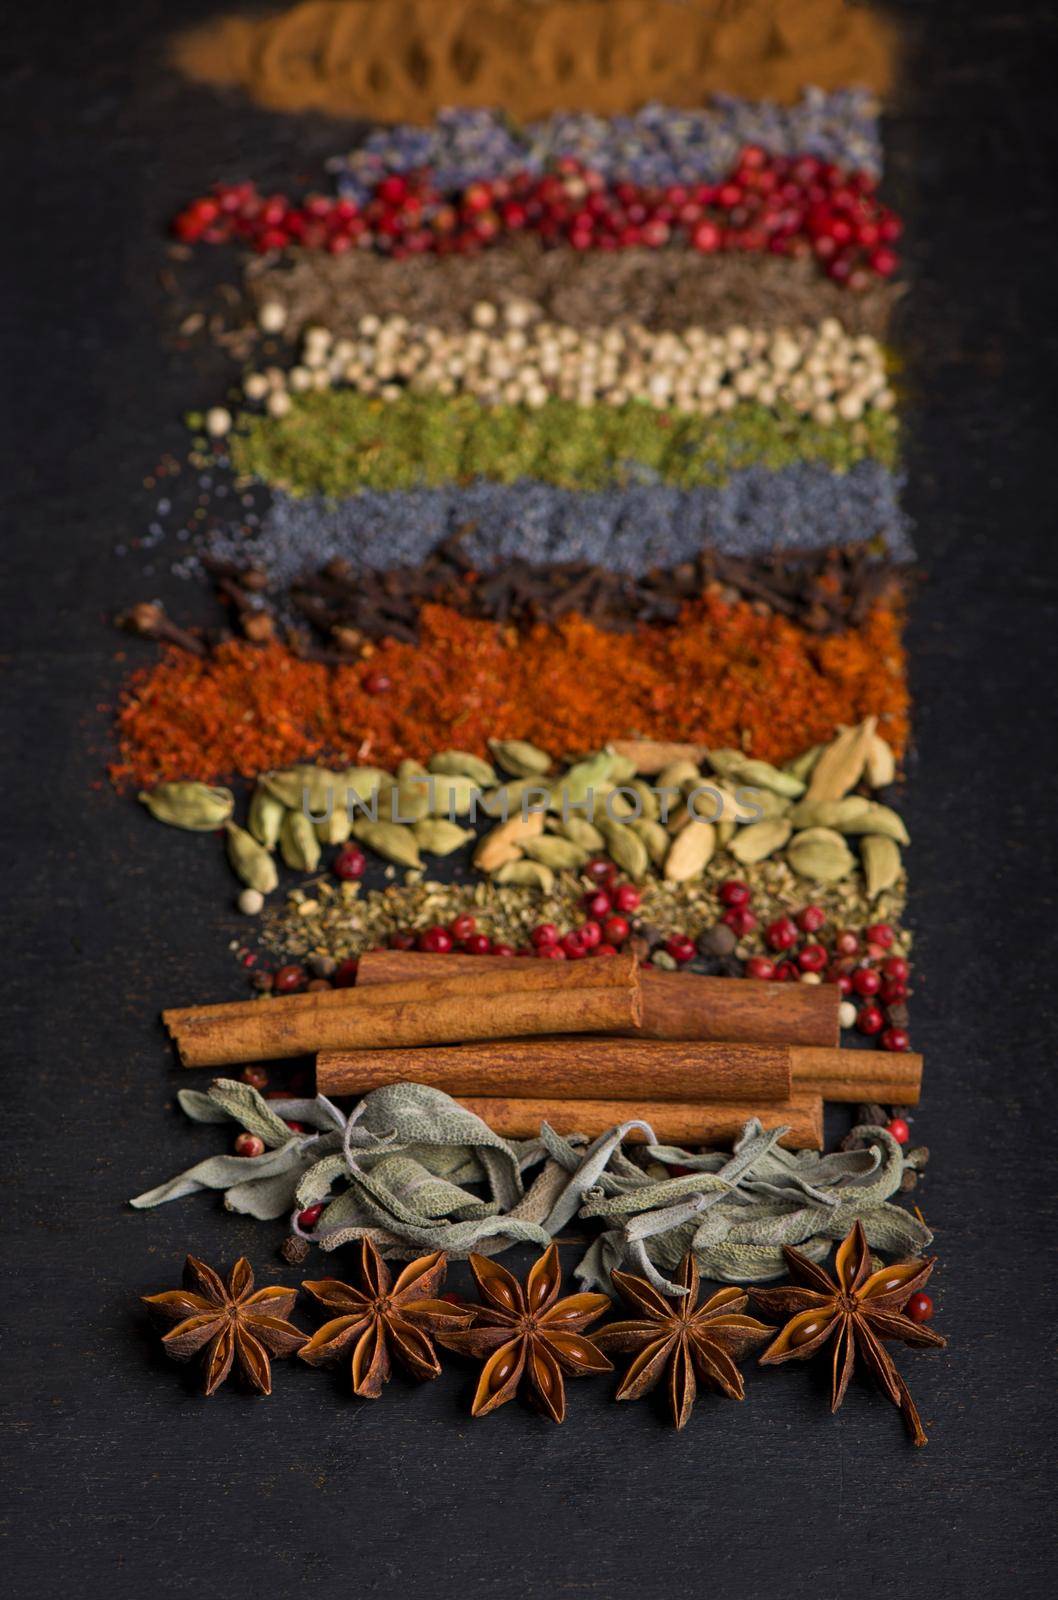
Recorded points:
(724,676)
(407,59)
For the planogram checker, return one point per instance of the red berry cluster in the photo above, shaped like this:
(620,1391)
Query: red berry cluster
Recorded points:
(787,206)
(863,969)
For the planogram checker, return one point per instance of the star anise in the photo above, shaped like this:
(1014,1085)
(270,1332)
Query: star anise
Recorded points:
(384,1319)
(235,1324)
(529,1332)
(679,1337)
(857,1311)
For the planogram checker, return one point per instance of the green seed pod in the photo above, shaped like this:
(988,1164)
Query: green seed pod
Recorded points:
(821,855)
(265,817)
(298,843)
(520,759)
(526,875)
(250,861)
(336,828)
(625,847)
(195,806)
(439,837)
(760,839)
(452,796)
(389,840)
(560,854)
(461,764)
(881,863)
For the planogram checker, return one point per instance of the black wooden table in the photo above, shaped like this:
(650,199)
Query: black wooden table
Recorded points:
(120,1480)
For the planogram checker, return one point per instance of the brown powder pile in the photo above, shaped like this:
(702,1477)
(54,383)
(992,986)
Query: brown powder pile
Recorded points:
(403,60)
(658,288)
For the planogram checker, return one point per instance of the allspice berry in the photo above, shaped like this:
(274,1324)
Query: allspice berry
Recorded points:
(719,940)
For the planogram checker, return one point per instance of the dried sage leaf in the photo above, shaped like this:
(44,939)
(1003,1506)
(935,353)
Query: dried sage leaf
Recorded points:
(298,843)
(691,851)
(197,807)
(881,863)
(250,861)
(821,855)
(462,764)
(760,839)
(520,759)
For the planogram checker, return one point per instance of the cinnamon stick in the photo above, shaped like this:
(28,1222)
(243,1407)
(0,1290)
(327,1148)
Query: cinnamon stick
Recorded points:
(888,1078)
(489,1003)
(673,1122)
(569,1069)
(630,1069)
(676,1005)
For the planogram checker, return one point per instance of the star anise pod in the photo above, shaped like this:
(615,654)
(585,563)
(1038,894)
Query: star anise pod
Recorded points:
(682,1339)
(235,1324)
(529,1333)
(383,1319)
(857,1311)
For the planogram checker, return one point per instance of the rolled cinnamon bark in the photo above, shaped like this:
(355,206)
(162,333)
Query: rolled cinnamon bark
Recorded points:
(570,1069)
(489,1003)
(676,1005)
(673,1122)
(889,1078)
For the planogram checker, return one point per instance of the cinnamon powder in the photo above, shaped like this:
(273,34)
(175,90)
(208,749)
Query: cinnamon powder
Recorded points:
(406,59)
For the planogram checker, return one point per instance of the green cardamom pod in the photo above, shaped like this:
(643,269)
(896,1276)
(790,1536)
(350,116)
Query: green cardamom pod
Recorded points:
(390,840)
(742,769)
(801,766)
(580,780)
(691,851)
(525,875)
(439,837)
(363,782)
(250,861)
(520,759)
(654,836)
(677,773)
(559,854)
(461,764)
(580,830)
(509,795)
(625,847)
(406,801)
(649,804)
(879,819)
(821,855)
(336,828)
(760,839)
(452,796)
(623,768)
(265,817)
(836,814)
(298,843)
(881,863)
(195,806)
(410,769)
(880,767)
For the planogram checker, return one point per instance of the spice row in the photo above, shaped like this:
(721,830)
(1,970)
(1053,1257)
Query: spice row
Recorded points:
(557,507)
(801,207)
(337,442)
(513,356)
(656,289)
(390,60)
(655,147)
(530,1337)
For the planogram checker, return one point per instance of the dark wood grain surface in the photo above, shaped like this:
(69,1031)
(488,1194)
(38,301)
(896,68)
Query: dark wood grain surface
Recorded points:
(120,1481)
